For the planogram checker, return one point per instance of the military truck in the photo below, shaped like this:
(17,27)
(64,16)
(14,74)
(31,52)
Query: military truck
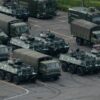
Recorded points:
(81,63)
(16,71)
(15,11)
(90,14)
(4,53)
(40,8)
(44,65)
(86,33)
(12,26)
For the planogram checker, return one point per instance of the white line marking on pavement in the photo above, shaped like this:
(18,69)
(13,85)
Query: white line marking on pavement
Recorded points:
(16,96)
(63,21)
(37,26)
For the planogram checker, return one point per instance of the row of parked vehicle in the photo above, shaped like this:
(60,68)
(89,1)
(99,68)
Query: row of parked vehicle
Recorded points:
(30,58)
(85,27)
(23,60)
(22,9)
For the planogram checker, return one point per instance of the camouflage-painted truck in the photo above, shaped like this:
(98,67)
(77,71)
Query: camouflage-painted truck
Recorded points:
(44,65)
(40,8)
(16,71)
(12,26)
(80,63)
(86,33)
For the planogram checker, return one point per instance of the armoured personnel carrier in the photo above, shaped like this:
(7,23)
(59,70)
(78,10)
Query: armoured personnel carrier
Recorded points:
(57,45)
(16,71)
(50,44)
(80,62)
(15,11)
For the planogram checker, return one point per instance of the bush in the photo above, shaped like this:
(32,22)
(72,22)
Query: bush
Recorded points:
(65,4)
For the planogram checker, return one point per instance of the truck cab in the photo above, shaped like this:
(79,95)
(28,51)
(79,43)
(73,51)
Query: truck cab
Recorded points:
(50,69)
(96,36)
(17,29)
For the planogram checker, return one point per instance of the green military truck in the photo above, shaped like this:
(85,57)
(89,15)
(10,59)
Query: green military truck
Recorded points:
(90,14)
(85,32)
(40,8)
(16,71)
(12,26)
(44,65)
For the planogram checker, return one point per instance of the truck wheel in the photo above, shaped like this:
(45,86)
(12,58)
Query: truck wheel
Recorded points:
(8,77)
(64,66)
(80,71)
(2,75)
(79,41)
(16,80)
(71,69)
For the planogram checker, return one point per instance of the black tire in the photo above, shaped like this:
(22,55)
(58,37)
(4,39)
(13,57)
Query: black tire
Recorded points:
(80,71)
(16,80)
(79,41)
(2,75)
(72,69)
(64,66)
(8,77)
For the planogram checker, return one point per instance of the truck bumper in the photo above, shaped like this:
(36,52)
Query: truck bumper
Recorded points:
(51,76)
(27,77)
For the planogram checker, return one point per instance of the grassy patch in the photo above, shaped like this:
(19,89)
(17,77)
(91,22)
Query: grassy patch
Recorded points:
(64,4)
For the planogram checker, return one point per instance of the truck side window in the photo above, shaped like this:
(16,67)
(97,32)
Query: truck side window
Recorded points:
(94,36)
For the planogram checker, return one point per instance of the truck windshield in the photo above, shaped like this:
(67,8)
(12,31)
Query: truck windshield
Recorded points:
(53,65)
(22,29)
(3,50)
(96,34)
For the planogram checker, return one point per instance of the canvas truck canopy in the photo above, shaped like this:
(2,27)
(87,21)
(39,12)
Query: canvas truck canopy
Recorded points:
(5,20)
(82,28)
(30,56)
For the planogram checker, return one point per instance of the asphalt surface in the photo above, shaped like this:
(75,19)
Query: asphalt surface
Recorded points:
(69,86)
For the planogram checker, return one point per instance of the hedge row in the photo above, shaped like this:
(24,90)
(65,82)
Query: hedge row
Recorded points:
(65,4)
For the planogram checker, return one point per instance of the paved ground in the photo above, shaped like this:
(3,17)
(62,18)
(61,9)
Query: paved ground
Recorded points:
(68,87)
